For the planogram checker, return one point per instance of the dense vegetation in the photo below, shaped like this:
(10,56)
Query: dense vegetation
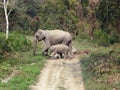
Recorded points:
(102,69)
(95,19)
(17,62)
(89,20)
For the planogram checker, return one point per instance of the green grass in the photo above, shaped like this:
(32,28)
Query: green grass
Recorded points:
(25,66)
(100,68)
(28,67)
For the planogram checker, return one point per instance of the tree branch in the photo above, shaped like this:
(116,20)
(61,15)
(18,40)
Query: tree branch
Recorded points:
(12,7)
(10,11)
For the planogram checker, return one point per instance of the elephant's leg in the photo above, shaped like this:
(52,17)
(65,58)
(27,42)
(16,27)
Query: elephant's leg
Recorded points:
(34,45)
(45,49)
(65,55)
(70,53)
(53,54)
(45,52)
(70,48)
(68,43)
(60,54)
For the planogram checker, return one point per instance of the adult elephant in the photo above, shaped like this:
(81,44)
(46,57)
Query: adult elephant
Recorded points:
(52,37)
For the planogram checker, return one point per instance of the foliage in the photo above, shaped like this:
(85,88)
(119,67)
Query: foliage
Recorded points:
(103,68)
(30,15)
(108,14)
(105,39)
(19,63)
(85,6)
(27,67)
(59,16)
(16,42)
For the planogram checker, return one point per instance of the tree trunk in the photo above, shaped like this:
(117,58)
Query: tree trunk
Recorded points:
(6,18)
(7,26)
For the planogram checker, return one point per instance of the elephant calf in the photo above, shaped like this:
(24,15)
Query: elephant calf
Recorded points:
(60,50)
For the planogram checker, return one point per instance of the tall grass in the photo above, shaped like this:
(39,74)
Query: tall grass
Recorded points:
(16,55)
(15,42)
(101,69)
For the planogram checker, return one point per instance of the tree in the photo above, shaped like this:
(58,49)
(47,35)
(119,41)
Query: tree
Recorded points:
(8,6)
(109,15)
(92,17)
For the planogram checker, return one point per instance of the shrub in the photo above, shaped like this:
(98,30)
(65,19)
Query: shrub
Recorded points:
(100,64)
(105,39)
(16,42)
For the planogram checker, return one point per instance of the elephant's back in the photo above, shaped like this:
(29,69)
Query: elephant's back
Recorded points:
(59,33)
(60,47)
(58,36)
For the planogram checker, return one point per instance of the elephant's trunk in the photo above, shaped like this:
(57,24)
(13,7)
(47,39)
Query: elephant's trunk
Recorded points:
(34,45)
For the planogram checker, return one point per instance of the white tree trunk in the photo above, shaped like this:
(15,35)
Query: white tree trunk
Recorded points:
(6,18)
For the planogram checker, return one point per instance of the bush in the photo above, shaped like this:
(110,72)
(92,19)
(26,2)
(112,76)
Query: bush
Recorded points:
(102,69)
(100,64)
(105,39)
(16,42)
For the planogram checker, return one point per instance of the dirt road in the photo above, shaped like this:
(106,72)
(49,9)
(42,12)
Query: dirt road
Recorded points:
(60,75)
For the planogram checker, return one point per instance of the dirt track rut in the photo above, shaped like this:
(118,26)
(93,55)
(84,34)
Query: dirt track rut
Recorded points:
(60,75)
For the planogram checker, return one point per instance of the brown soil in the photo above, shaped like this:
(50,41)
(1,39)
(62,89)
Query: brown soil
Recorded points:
(60,75)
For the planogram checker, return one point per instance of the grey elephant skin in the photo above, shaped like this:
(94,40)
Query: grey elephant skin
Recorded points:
(59,49)
(52,37)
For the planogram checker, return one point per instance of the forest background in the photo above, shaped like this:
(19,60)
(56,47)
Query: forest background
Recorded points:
(92,19)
